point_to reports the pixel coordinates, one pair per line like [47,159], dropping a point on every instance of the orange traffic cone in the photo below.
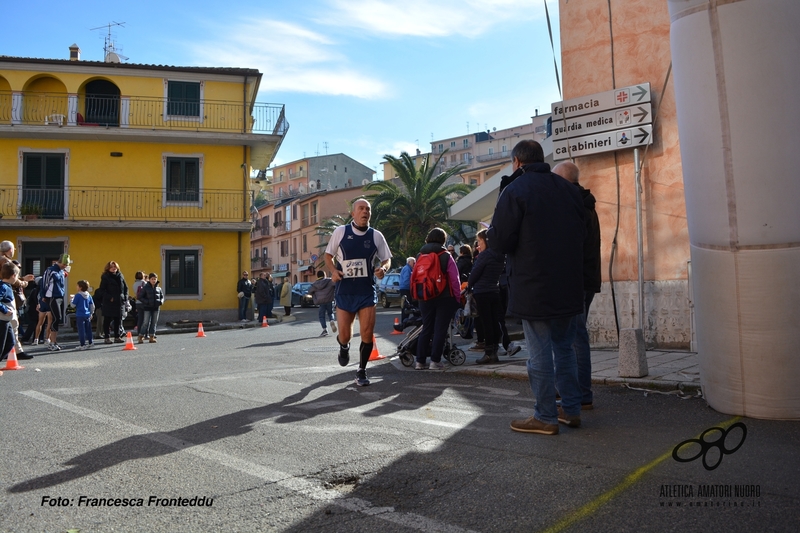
[200,332]
[264,323]
[396,331]
[12,363]
[129,343]
[374,355]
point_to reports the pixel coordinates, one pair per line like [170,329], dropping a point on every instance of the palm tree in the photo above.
[406,213]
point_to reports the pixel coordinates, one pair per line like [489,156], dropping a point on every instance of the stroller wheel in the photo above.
[456,356]
[406,358]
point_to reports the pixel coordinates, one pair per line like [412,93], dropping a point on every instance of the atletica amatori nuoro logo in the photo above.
[683,452]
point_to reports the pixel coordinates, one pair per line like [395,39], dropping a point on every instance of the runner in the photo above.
[356,247]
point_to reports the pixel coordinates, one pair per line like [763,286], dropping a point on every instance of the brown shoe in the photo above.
[587,406]
[153,339]
[119,340]
[568,420]
[108,341]
[531,425]
[141,339]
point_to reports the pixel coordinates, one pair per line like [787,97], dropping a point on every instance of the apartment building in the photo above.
[146,165]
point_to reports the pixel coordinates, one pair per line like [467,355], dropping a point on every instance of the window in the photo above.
[466,143]
[452,144]
[345,170]
[285,248]
[294,211]
[182,181]
[441,148]
[452,158]
[465,158]
[334,168]
[183,98]
[265,252]
[314,213]
[505,148]
[491,150]
[43,176]
[305,244]
[183,272]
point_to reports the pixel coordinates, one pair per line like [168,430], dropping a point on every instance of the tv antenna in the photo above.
[110,51]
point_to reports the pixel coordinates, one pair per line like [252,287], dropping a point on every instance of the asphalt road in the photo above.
[264,429]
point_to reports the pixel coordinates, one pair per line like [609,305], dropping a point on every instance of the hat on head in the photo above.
[64,259]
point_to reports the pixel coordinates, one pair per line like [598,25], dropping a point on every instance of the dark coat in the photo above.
[486,272]
[264,292]
[464,264]
[245,286]
[592,277]
[539,222]
[152,296]
[115,293]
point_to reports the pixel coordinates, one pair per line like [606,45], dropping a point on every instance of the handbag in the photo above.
[470,307]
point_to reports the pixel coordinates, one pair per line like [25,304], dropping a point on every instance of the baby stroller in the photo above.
[407,348]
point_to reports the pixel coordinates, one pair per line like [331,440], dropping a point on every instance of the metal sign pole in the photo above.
[639,236]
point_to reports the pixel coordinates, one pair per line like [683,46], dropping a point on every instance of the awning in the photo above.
[303,268]
[279,274]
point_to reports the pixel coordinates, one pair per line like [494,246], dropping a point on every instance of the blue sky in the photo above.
[367,77]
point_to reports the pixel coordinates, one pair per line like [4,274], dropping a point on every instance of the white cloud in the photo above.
[291,58]
[429,18]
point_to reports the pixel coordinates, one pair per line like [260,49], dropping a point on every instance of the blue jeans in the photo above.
[325,313]
[436,317]
[149,322]
[549,344]
[84,324]
[583,353]
[244,304]
[262,311]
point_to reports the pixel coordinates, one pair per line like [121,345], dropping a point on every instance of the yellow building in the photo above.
[146,165]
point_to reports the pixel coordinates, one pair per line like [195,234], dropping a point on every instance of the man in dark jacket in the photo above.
[539,222]
[592,280]
[244,290]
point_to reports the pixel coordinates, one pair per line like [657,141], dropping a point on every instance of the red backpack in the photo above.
[428,279]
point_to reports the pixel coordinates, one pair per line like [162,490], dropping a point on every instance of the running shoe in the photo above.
[333,326]
[361,378]
[324,333]
[344,355]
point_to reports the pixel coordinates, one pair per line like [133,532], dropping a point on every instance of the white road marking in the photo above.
[298,485]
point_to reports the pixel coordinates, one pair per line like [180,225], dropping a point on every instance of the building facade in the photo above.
[146,165]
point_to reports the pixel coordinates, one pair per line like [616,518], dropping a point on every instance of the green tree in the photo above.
[406,213]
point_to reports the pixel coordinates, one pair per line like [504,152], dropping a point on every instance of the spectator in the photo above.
[286,296]
[263,295]
[84,308]
[483,282]
[592,280]
[115,295]
[322,292]
[140,281]
[244,290]
[405,278]
[439,311]
[9,273]
[152,300]
[539,222]
[52,293]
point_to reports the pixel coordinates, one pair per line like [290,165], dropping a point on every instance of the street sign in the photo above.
[594,103]
[604,121]
[603,142]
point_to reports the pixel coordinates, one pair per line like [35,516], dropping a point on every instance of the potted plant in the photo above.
[30,211]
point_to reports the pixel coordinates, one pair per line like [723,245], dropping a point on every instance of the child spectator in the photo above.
[152,298]
[84,309]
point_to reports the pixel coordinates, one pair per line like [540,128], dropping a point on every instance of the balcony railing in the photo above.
[51,109]
[493,157]
[124,204]
[266,262]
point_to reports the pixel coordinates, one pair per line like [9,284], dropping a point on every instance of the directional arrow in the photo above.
[643,135]
[640,93]
[643,114]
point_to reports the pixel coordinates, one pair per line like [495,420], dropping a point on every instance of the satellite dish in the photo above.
[312,185]
[365,181]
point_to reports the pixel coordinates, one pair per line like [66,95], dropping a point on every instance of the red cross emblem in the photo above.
[622,97]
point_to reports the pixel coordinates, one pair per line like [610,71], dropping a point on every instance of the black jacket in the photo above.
[115,293]
[264,292]
[464,264]
[592,277]
[486,272]
[245,286]
[152,297]
[539,222]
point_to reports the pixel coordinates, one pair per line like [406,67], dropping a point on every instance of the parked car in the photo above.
[300,295]
[389,290]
